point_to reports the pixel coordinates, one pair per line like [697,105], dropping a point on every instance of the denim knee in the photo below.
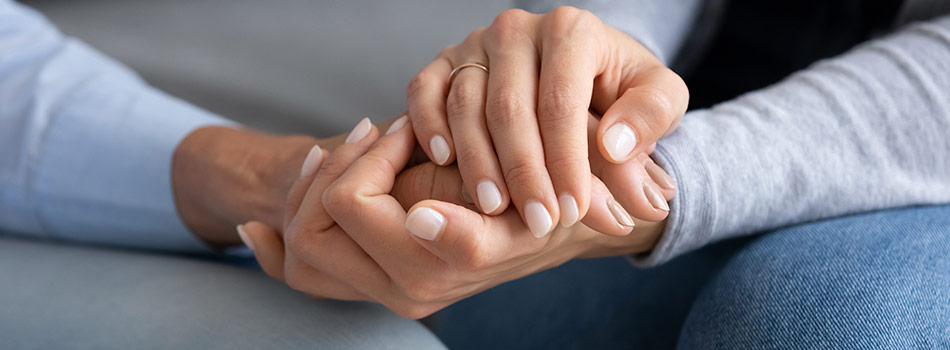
[879,280]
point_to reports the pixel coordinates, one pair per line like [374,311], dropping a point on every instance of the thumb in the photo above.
[645,112]
[465,238]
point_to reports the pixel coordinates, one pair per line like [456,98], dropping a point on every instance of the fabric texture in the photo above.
[86,146]
[57,296]
[873,281]
[860,132]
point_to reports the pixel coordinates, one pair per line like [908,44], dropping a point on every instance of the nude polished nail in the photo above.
[312,162]
[660,176]
[656,199]
[619,213]
[619,140]
[244,238]
[425,223]
[569,210]
[489,198]
[360,131]
[538,218]
[440,149]
[398,124]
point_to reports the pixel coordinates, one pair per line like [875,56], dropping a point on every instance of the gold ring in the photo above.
[466,65]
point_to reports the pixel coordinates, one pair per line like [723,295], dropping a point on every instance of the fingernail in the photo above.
[247,241]
[360,131]
[660,176]
[398,124]
[619,141]
[425,223]
[569,211]
[620,214]
[656,199]
[440,149]
[466,196]
[489,198]
[539,220]
[312,162]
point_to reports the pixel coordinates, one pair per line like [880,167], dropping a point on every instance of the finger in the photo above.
[606,215]
[357,142]
[321,252]
[426,95]
[362,192]
[567,79]
[639,117]
[269,251]
[429,181]
[466,239]
[267,246]
[477,161]
[298,189]
[513,125]
[628,182]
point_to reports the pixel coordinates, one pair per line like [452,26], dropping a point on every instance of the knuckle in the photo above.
[338,198]
[475,36]
[420,82]
[473,159]
[507,27]
[505,105]
[464,98]
[566,160]
[568,22]
[561,101]
[521,171]
[472,256]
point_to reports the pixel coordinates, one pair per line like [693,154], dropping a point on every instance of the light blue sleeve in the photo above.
[85,144]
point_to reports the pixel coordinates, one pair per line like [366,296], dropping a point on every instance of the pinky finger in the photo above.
[267,245]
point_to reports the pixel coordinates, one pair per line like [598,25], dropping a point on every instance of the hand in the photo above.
[518,132]
[347,238]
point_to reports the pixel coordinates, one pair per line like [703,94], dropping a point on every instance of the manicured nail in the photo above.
[466,196]
[489,198]
[312,162]
[539,220]
[619,141]
[398,124]
[656,199]
[440,149]
[247,241]
[660,176]
[360,131]
[620,214]
[425,223]
[569,211]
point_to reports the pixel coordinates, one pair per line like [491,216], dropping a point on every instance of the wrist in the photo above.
[223,177]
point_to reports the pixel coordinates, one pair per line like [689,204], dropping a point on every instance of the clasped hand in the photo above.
[359,226]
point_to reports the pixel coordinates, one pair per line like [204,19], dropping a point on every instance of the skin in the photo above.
[344,236]
[546,72]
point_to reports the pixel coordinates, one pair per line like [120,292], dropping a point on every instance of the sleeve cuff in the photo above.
[104,172]
[692,218]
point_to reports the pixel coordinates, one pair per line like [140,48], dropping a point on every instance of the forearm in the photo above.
[864,131]
[660,26]
[224,176]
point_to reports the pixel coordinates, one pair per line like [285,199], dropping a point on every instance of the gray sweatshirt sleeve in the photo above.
[660,26]
[864,131]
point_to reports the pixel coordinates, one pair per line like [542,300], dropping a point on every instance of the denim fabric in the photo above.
[879,280]
[872,281]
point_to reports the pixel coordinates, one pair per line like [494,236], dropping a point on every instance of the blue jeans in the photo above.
[879,280]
